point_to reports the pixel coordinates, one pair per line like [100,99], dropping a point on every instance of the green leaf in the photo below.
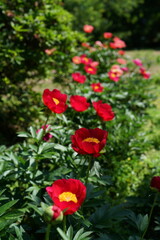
[7,206]
[70,232]
[63,235]
[33,132]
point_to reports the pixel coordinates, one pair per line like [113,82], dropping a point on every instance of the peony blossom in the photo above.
[115,73]
[94,64]
[117,43]
[53,215]
[145,74]
[67,194]
[79,103]
[155,183]
[103,110]
[85,60]
[138,62]
[107,35]
[121,52]
[88,28]
[78,77]
[99,43]
[50,51]
[91,70]
[55,100]
[47,136]
[97,87]
[76,60]
[86,45]
[121,61]
[89,141]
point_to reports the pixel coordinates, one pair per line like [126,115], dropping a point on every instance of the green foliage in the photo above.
[27,30]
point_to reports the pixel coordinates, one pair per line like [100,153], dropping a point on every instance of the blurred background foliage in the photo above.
[134,21]
[30,28]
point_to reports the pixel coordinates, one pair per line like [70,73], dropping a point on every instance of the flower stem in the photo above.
[64,224]
[88,170]
[48,232]
[150,214]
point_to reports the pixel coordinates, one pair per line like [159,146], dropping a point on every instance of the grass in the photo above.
[151,59]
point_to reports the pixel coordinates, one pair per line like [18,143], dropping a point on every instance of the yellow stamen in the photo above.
[67,197]
[90,139]
[56,101]
[96,87]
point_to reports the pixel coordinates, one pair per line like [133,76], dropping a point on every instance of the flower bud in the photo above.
[53,214]
[155,183]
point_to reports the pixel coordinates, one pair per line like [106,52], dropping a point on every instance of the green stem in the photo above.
[88,170]
[48,232]
[64,224]
[149,219]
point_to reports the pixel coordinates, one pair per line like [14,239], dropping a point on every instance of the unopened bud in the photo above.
[53,214]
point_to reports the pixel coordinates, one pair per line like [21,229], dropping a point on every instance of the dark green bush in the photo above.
[27,30]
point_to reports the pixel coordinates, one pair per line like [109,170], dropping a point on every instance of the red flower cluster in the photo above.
[138,62]
[145,74]
[91,70]
[50,51]
[67,194]
[103,110]
[88,28]
[155,183]
[121,61]
[79,103]
[55,100]
[47,136]
[107,35]
[117,43]
[78,77]
[76,60]
[97,87]
[115,73]
[89,141]
[121,52]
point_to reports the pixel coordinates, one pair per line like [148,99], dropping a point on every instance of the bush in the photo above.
[35,40]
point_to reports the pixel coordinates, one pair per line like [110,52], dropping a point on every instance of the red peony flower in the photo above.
[86,45]
[103,110]
[155,183]
[121,61]
[85,60]
[79,103]
[94,64]
[97,87]
[121,52]
[67,194]
[138,62]
[76,60]
[88,28]
[50,51]
[89,141]
[99,43]
[47,136]
[55,100]
[145,74]
[91,70]
[107,35]
[78,77]
[115,73]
